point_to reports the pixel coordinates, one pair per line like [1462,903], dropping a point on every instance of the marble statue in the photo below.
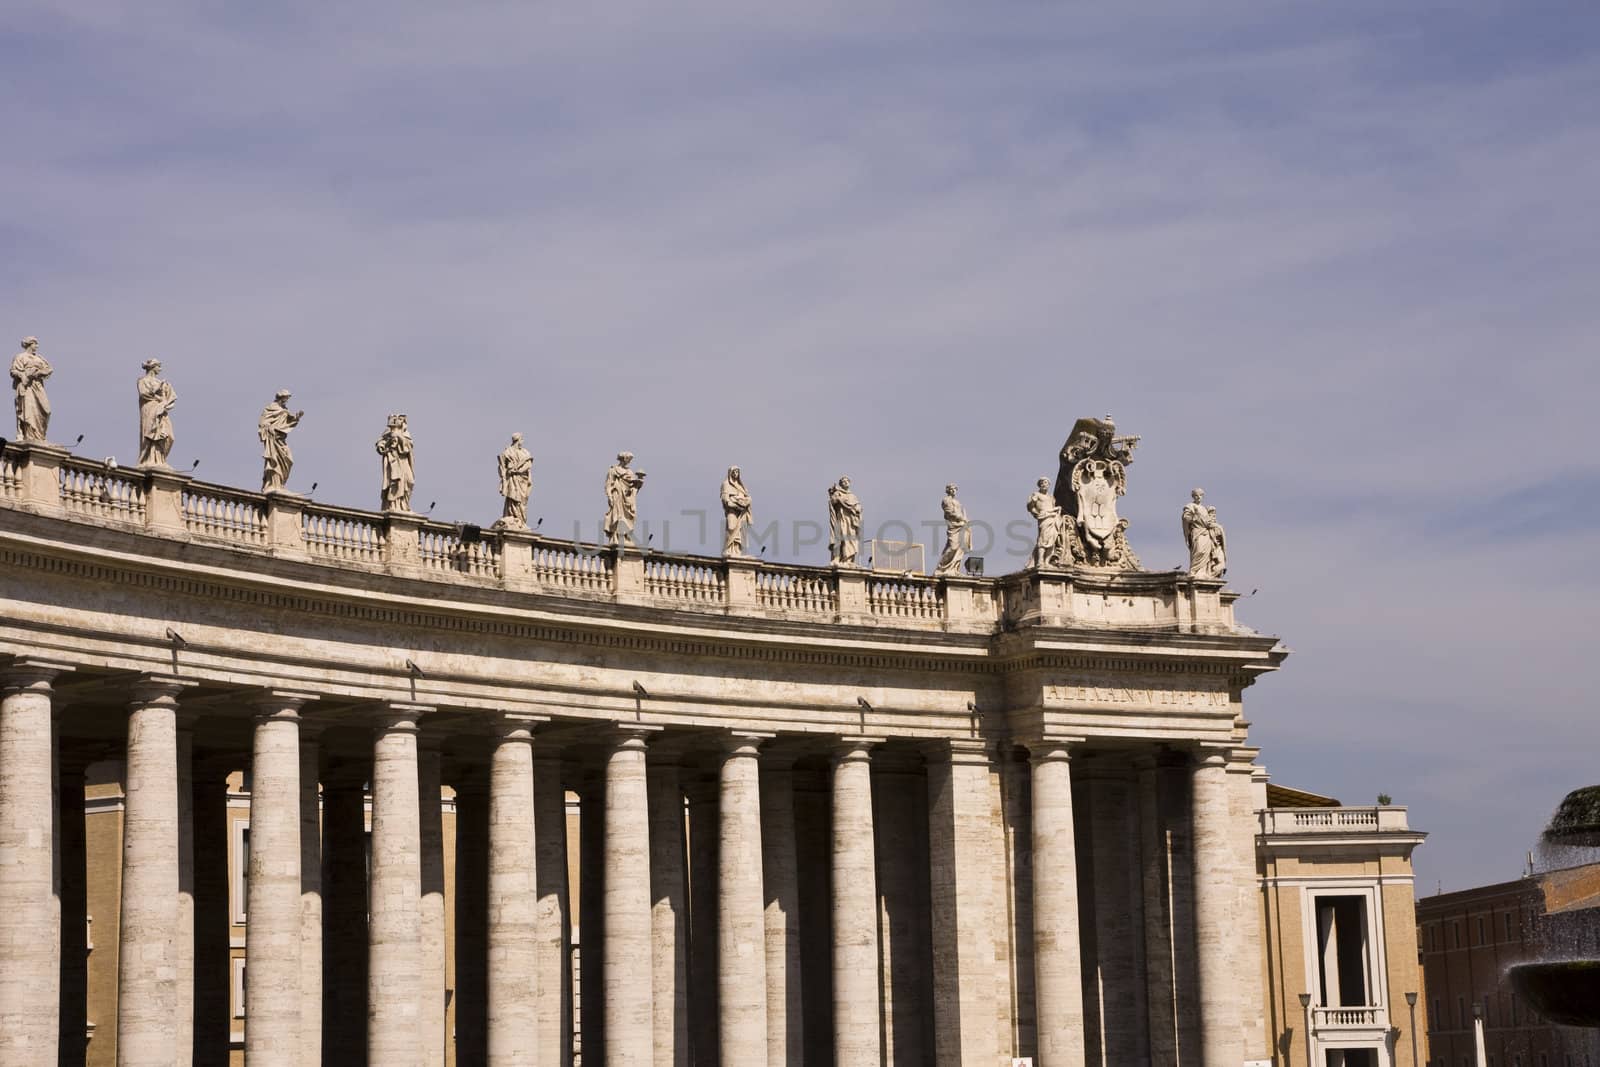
[28,371]
[1043,507]
[1092,477]
[156,398]
[957,533]
[1205,538]
[276,422]
[399,478]
[844,524]
[735,513]
[622,500]
[516,482]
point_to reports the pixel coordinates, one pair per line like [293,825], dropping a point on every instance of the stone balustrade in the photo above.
[48,479]
[1375,819]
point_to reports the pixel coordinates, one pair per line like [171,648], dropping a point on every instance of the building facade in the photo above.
[822,816]
[1469,938]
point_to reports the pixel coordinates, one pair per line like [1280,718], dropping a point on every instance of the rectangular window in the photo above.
[1483,938]
[1438,1017]
[1461,1012]
[1513,1009]
[1508,926]
[1455,929]
[1343,950]
[241,869]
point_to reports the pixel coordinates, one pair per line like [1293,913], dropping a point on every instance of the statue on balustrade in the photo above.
[516,482]
[276,422]
[957,533]
[736,513]
[1203,534]
[399,479]
[1092,476]
[622,500]
[156,399]
[844,524]
[28,372]
[1053,547]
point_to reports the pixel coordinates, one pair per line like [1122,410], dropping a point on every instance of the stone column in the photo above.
[74,911]
[905,929]
[213,970]
[1172,777]
[1118,914]
[961,835]
[781,878]
[513,955]
[1248,938]
[183,943]
[435,976]
[394,938]
[702,798]
[146,963]
[272,900]
[741,925]
[310,901]
[628,1005]
[472,891]
[856,1038]
[1156,885]
[1058,979]
[553,913]
[1215,896]
[29,938]
[669,915]
[344,914]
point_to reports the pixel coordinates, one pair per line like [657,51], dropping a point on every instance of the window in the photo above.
[1344,955]
[1487,1021]
[241,869]
[1483,938]
[1438,1016]
[1508,926]
[1455,929]
[1514,1009]
[1461,1012]
[238,988]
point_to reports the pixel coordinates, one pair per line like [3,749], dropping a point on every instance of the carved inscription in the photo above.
[1150,697]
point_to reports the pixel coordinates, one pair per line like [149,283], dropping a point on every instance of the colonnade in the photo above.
[767,901]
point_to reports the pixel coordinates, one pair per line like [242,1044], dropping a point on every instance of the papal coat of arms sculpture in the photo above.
[1078,523]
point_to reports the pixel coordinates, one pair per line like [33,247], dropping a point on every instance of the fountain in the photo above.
[1564,985]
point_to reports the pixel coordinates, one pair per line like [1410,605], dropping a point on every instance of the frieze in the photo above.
[1141,696]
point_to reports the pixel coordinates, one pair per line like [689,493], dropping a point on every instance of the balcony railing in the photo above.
[1279,821]
[1366,1018]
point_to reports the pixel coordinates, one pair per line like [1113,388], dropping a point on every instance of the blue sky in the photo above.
[1335,262]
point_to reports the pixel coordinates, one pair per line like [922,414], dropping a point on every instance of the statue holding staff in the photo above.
[156,399]
[735,513]
[273,429]
[395,447]
[957,533]
[1043,507]
[844,524]
[516,482]
[28,373]
[622,500]
[1203,534]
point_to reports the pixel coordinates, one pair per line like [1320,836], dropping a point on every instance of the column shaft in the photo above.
[146,961]
[1058,981]
[513,1016]
[1248,940]
[961,848]
[430,827]
[183,945]
[394,940]
[856,1036]
[741,924]
[553,914]
[1214,905]
[781,879]
[272,901]
[1118,914]
[1155,883]
[669,926]
[29,938]
[344,918]
[310,904]
[74,914]
[1173,780]
[472,891]
[628,1006]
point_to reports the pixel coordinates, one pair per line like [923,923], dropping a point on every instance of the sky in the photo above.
[1336,263]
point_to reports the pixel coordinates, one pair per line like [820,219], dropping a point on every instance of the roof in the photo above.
[1281,796]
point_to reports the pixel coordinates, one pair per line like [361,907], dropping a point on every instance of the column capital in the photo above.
[399,717]
[1211,756]
[743,744]
[632,736]
[1052,749]
[278,703]
[963,750]
[853,749]
[158,689]
[31,672]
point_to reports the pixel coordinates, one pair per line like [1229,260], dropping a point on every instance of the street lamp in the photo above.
[1411,1002]
[1305,1006]
[1477,1035]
